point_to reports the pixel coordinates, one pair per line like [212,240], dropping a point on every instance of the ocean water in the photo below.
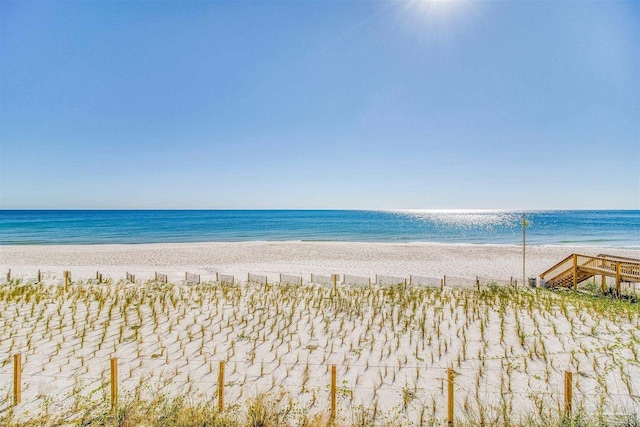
[599,228]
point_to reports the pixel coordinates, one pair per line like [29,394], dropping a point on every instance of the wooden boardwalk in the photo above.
[577,268]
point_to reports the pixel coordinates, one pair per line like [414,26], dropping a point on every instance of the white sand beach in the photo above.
[297,258]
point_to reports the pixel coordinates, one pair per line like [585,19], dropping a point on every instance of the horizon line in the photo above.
[415,210]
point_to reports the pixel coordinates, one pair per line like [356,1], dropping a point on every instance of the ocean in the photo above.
[619,229]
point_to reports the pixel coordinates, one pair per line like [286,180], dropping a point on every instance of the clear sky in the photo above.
[320,104]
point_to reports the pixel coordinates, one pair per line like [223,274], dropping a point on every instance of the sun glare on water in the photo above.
[463,218]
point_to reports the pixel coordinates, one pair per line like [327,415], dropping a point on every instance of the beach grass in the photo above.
[263,411]
[391,345]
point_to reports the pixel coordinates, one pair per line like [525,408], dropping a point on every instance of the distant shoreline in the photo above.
[585,246]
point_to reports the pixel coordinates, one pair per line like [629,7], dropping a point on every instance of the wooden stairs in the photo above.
[577,268]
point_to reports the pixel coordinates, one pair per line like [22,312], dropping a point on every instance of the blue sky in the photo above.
[310,104]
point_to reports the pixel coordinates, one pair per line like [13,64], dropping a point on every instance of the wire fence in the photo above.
[455,392]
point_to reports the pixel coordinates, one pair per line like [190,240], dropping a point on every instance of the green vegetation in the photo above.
[262,411]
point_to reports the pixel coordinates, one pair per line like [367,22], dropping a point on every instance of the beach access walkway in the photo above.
[577,268]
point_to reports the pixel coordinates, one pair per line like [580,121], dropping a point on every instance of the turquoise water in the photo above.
[598,228]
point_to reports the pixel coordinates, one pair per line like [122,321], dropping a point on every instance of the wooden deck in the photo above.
[577,268]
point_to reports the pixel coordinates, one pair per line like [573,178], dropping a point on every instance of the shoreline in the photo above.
[588,245]
[270,258]
[340,242]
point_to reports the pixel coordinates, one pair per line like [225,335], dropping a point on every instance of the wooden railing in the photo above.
[561,267]
[627,269]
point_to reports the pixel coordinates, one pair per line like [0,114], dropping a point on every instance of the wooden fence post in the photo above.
[333,392]
[17,378]
[618,279]
[450,377]
[568,392]
[478,283]
[603,284]
[335,281]
[114,383]
[39,276]
[221,387]
[575,271]
[9,275]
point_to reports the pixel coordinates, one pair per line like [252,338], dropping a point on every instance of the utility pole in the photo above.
[524,246]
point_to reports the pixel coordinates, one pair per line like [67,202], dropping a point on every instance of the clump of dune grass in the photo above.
[264,410]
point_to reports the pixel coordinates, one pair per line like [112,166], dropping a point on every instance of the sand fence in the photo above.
[286,278]
[291,279]
[447,384]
